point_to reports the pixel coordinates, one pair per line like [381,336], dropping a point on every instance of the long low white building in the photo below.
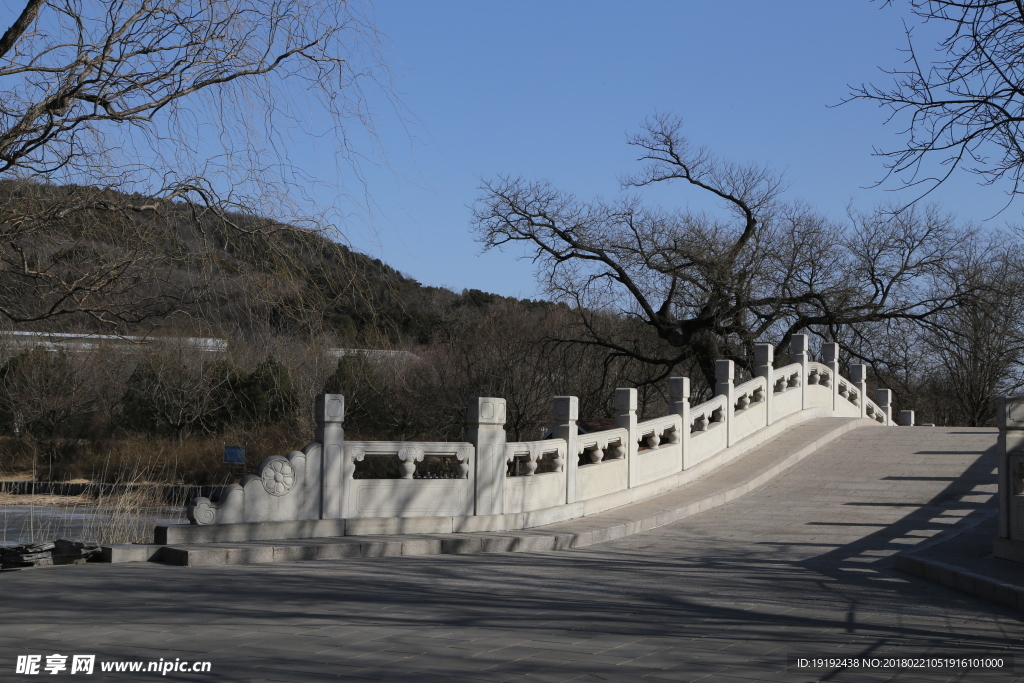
[77,341]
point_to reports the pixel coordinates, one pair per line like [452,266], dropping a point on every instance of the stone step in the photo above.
[353,547]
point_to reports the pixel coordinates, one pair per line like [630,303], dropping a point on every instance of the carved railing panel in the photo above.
[659,431]
[410,453]
[786,378]
[531,452]
[708,414]
[596,447]
[283,488]
[750,392]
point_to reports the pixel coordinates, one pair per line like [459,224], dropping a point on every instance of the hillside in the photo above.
[176,264]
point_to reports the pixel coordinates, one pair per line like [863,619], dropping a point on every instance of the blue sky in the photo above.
[550,90]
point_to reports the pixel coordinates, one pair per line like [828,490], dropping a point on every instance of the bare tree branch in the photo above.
[965,109]
[710,286]
[179,111]
[20,25]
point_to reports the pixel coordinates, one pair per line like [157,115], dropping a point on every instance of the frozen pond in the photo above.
[32,523]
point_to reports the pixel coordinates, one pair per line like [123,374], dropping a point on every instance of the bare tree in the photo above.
[963,109]
[952,370]
[187,109]
[710,285]
[44,396]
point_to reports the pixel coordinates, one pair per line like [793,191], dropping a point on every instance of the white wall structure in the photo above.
[491,484]
[1009,541]
[71,341]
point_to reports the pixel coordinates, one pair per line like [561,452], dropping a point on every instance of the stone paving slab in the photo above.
[712,490]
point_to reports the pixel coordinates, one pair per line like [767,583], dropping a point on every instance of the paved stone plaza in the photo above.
[802,566]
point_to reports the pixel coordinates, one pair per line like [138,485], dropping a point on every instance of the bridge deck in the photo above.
[729,482]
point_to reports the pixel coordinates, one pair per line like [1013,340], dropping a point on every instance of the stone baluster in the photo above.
[625,418]
[906,418]
[565,411]
[485,429]
[764,354]
[335,474]
[725,372]
[859,378]
[679,404]
[408,456]
[830,357]
[883,397]
[798,345]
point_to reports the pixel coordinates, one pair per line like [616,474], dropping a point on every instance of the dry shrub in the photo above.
[196,461]
[125,515]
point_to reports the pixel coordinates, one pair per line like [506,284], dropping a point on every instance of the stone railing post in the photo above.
[335,473]
[1010,420]
[679,404]
[859,377]
[906,418]
[625,418]
[566,410]
[830,357]
[764,354]
[725,372]
[883,397]
[485,429]
[798,354]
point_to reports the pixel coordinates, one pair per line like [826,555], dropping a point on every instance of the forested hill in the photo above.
[160,265]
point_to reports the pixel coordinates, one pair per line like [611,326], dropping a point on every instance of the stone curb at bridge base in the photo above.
[963,561]
[627,521]
[985,587]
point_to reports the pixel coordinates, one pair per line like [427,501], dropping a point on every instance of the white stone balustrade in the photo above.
[625,418]
[409,497]
[859,377]
[536,491]
[679,405]
[798,355]
[764,356]
[565,412]
[661,448]
[485,429]
[787,394]
[605,469]
[534,450]
[587,473]
[750,409]
[819,391]
[883,397]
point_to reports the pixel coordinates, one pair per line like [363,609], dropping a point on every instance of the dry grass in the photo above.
[126,512]
[123,515]
[45,500]
[196,461]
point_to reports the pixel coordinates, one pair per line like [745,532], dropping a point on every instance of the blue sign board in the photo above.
[234,454]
